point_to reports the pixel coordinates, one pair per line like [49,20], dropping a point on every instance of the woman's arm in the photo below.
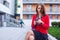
[46,23]
[33,23]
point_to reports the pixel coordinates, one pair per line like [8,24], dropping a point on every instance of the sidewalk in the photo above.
[15,33]
[51,37]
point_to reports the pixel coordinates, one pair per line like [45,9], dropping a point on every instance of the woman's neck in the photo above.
[39,15]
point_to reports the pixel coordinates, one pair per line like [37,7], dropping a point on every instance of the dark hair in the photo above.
[42,9]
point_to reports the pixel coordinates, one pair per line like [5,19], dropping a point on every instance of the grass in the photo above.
[54,31]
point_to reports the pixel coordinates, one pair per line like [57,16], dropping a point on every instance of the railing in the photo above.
[33,12]
[31,0]
[29,12]
[12,22]
[39,1]
[1,24]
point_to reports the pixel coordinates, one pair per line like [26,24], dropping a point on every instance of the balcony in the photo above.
[55,12]
[33,12]
[41,1]
[5,9]
[29,12]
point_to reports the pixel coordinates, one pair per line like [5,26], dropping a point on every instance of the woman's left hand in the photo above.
[40,21]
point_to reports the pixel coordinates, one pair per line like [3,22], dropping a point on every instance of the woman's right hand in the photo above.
[34,22]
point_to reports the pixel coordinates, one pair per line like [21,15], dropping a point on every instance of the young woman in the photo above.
[40,25]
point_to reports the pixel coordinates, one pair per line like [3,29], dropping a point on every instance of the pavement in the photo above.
[16,33]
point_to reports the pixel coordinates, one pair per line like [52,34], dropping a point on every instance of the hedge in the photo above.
[55,24]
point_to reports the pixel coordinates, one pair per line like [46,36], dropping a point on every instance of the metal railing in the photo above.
[33,12]
[40,1]
[12,22]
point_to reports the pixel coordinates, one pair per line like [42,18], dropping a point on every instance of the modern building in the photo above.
[29,8]
[18,9]
[6,10]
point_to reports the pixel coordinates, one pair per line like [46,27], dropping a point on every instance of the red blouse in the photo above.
[41,28]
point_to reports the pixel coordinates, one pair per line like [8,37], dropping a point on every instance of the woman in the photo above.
[40,25]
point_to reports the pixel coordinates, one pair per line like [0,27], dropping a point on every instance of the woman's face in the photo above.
[39,8]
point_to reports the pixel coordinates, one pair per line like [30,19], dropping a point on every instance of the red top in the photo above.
[43,28]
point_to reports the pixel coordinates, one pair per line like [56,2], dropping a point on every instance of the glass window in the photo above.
[27,0]
[56,16]
[1,1]
[18,10]
[0,17]
[6,3]
[50,7]
[56,8]
[29,16]
[43,0]
[29,7]
[0,20]
[18,2]
[50,15]
[18,6]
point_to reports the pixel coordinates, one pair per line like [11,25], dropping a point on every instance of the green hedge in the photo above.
[55,24]
[55,31]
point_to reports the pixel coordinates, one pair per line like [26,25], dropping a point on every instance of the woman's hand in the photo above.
[39,22]
[34,22]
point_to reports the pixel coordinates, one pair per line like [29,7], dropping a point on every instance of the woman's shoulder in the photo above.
[34,15]
[47,16]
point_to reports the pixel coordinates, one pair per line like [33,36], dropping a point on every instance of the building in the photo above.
[52,9]
[18,9]
[6,10]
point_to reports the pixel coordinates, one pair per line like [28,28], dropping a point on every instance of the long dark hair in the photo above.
[42,9]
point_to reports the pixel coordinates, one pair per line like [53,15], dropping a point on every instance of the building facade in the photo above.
[6,10]
[19,9]
[52,8]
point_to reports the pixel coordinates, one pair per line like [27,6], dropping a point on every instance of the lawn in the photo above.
[54,31]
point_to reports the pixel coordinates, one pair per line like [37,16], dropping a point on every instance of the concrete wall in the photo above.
[8,10]
[4,9]
[11,6]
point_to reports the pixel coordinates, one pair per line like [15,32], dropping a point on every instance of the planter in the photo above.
[58,38]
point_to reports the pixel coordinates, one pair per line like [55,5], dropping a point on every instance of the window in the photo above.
[29,7]
[0,20]
[18,6]
[50,16]
[29,16]
[6,3]
[50,7]
[0,17]
[43,0]
[18,2]
[56,8]
[1,1]
[27,0]
[59,16]
[56,16]
[18,10]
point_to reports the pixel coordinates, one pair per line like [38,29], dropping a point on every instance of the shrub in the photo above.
[55,24]
[55,31]
[58,24]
